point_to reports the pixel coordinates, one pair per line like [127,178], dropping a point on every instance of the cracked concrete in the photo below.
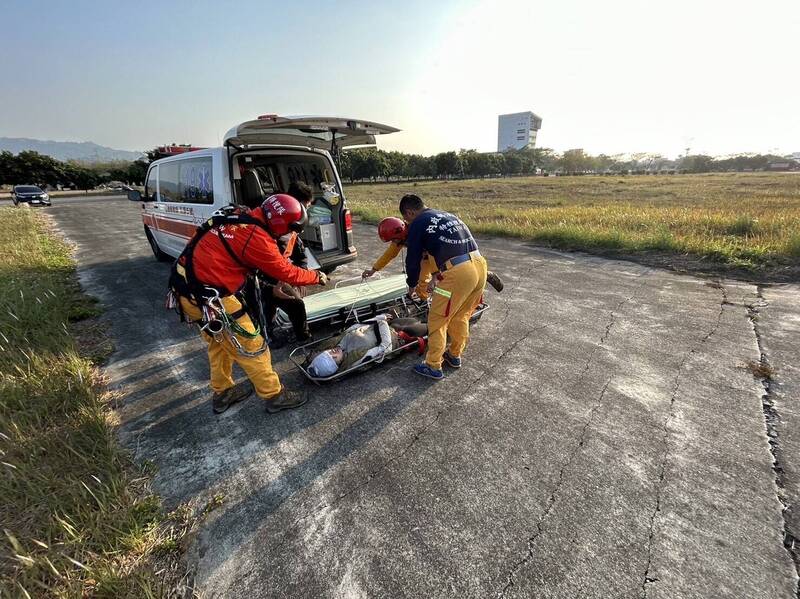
[648,577]
[603,439]
[779,408]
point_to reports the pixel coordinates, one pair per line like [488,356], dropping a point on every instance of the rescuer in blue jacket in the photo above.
[459,283]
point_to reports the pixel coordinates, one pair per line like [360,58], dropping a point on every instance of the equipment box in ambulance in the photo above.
[258,158]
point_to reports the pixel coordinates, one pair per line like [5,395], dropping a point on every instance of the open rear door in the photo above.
[324,133]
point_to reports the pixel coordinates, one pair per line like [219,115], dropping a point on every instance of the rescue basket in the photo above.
[302,355]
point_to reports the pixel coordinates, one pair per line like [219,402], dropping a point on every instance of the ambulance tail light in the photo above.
[348,220]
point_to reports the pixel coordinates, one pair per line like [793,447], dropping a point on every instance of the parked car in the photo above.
[258,158]
[29,194]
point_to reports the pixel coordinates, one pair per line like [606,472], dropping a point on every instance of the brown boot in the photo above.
[286,400]
[222,401]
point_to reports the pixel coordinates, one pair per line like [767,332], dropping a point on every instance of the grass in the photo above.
[750,221]
[77,517]
[760,370]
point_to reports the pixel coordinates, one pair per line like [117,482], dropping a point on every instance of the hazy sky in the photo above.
[614,76]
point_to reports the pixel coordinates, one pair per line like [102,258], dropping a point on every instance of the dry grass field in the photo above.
[77,517]
[747,222]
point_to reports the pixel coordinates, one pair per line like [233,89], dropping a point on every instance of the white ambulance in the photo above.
[258,158]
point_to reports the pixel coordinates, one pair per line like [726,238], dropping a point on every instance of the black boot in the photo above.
[222,401]
[286,400]
[278,338]
[495,281]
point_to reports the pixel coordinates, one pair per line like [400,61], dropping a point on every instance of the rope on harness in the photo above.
[230,328]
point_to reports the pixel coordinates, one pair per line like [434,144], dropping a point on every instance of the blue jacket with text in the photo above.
[440,234]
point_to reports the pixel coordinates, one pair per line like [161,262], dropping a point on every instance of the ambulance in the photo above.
[258,158]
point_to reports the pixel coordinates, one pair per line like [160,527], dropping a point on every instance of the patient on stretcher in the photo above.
[364,342]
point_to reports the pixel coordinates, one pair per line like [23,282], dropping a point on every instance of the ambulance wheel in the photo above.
[159,255]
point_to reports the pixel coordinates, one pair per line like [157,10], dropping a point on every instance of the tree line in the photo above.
[372,164]
[38,169]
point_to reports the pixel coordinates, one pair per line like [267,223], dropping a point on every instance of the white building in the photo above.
[517,130]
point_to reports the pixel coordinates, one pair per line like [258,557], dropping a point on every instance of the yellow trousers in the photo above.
[455,298]
[222,354]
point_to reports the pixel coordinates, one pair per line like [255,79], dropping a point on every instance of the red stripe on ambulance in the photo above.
[175,227]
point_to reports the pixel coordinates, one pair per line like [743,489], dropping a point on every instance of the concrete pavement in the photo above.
[604,438]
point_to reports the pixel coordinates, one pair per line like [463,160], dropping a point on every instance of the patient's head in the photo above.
[327,362]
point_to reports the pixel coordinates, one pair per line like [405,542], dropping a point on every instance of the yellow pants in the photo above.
[222,354]
[455,298]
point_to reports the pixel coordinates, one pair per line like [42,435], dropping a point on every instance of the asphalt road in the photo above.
[603,439]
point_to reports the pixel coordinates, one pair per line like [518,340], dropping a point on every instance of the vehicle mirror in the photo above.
[134,195]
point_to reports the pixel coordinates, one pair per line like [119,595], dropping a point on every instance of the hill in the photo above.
[85,151]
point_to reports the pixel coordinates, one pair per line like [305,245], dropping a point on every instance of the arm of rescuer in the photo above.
[390,254]
[382,262]
[414,251]
[261,252]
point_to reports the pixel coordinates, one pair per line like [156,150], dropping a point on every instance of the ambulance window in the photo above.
[150,188]
[168,182]
[195,183]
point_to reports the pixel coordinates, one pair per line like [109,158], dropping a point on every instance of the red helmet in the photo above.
[283,213]
[392,229]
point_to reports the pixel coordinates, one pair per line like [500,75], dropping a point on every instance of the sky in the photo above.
[619,76]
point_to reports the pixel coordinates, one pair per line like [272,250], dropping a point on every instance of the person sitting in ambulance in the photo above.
[364,342]
[282,295]
[276,294]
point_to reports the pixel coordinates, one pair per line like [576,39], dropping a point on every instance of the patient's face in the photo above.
[337,354]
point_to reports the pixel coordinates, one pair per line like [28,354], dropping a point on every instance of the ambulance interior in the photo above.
[263,173]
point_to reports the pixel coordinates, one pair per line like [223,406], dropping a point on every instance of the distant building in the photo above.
[517,131]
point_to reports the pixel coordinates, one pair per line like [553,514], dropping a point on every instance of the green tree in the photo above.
[447,164]
[39,169]
[513,162]
[542,158]
[575,161]
[697,163]
[396,164]
[9,169]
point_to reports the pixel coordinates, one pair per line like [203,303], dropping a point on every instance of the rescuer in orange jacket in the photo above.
[218,260]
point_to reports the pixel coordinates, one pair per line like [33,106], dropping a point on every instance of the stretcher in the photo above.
[401,307]
[348,303]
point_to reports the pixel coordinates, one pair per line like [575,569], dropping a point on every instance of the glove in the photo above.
[368,273]
[323,278]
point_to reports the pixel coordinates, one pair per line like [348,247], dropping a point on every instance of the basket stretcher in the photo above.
[367,300]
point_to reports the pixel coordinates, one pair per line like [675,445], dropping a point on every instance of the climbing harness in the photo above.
[217,322]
